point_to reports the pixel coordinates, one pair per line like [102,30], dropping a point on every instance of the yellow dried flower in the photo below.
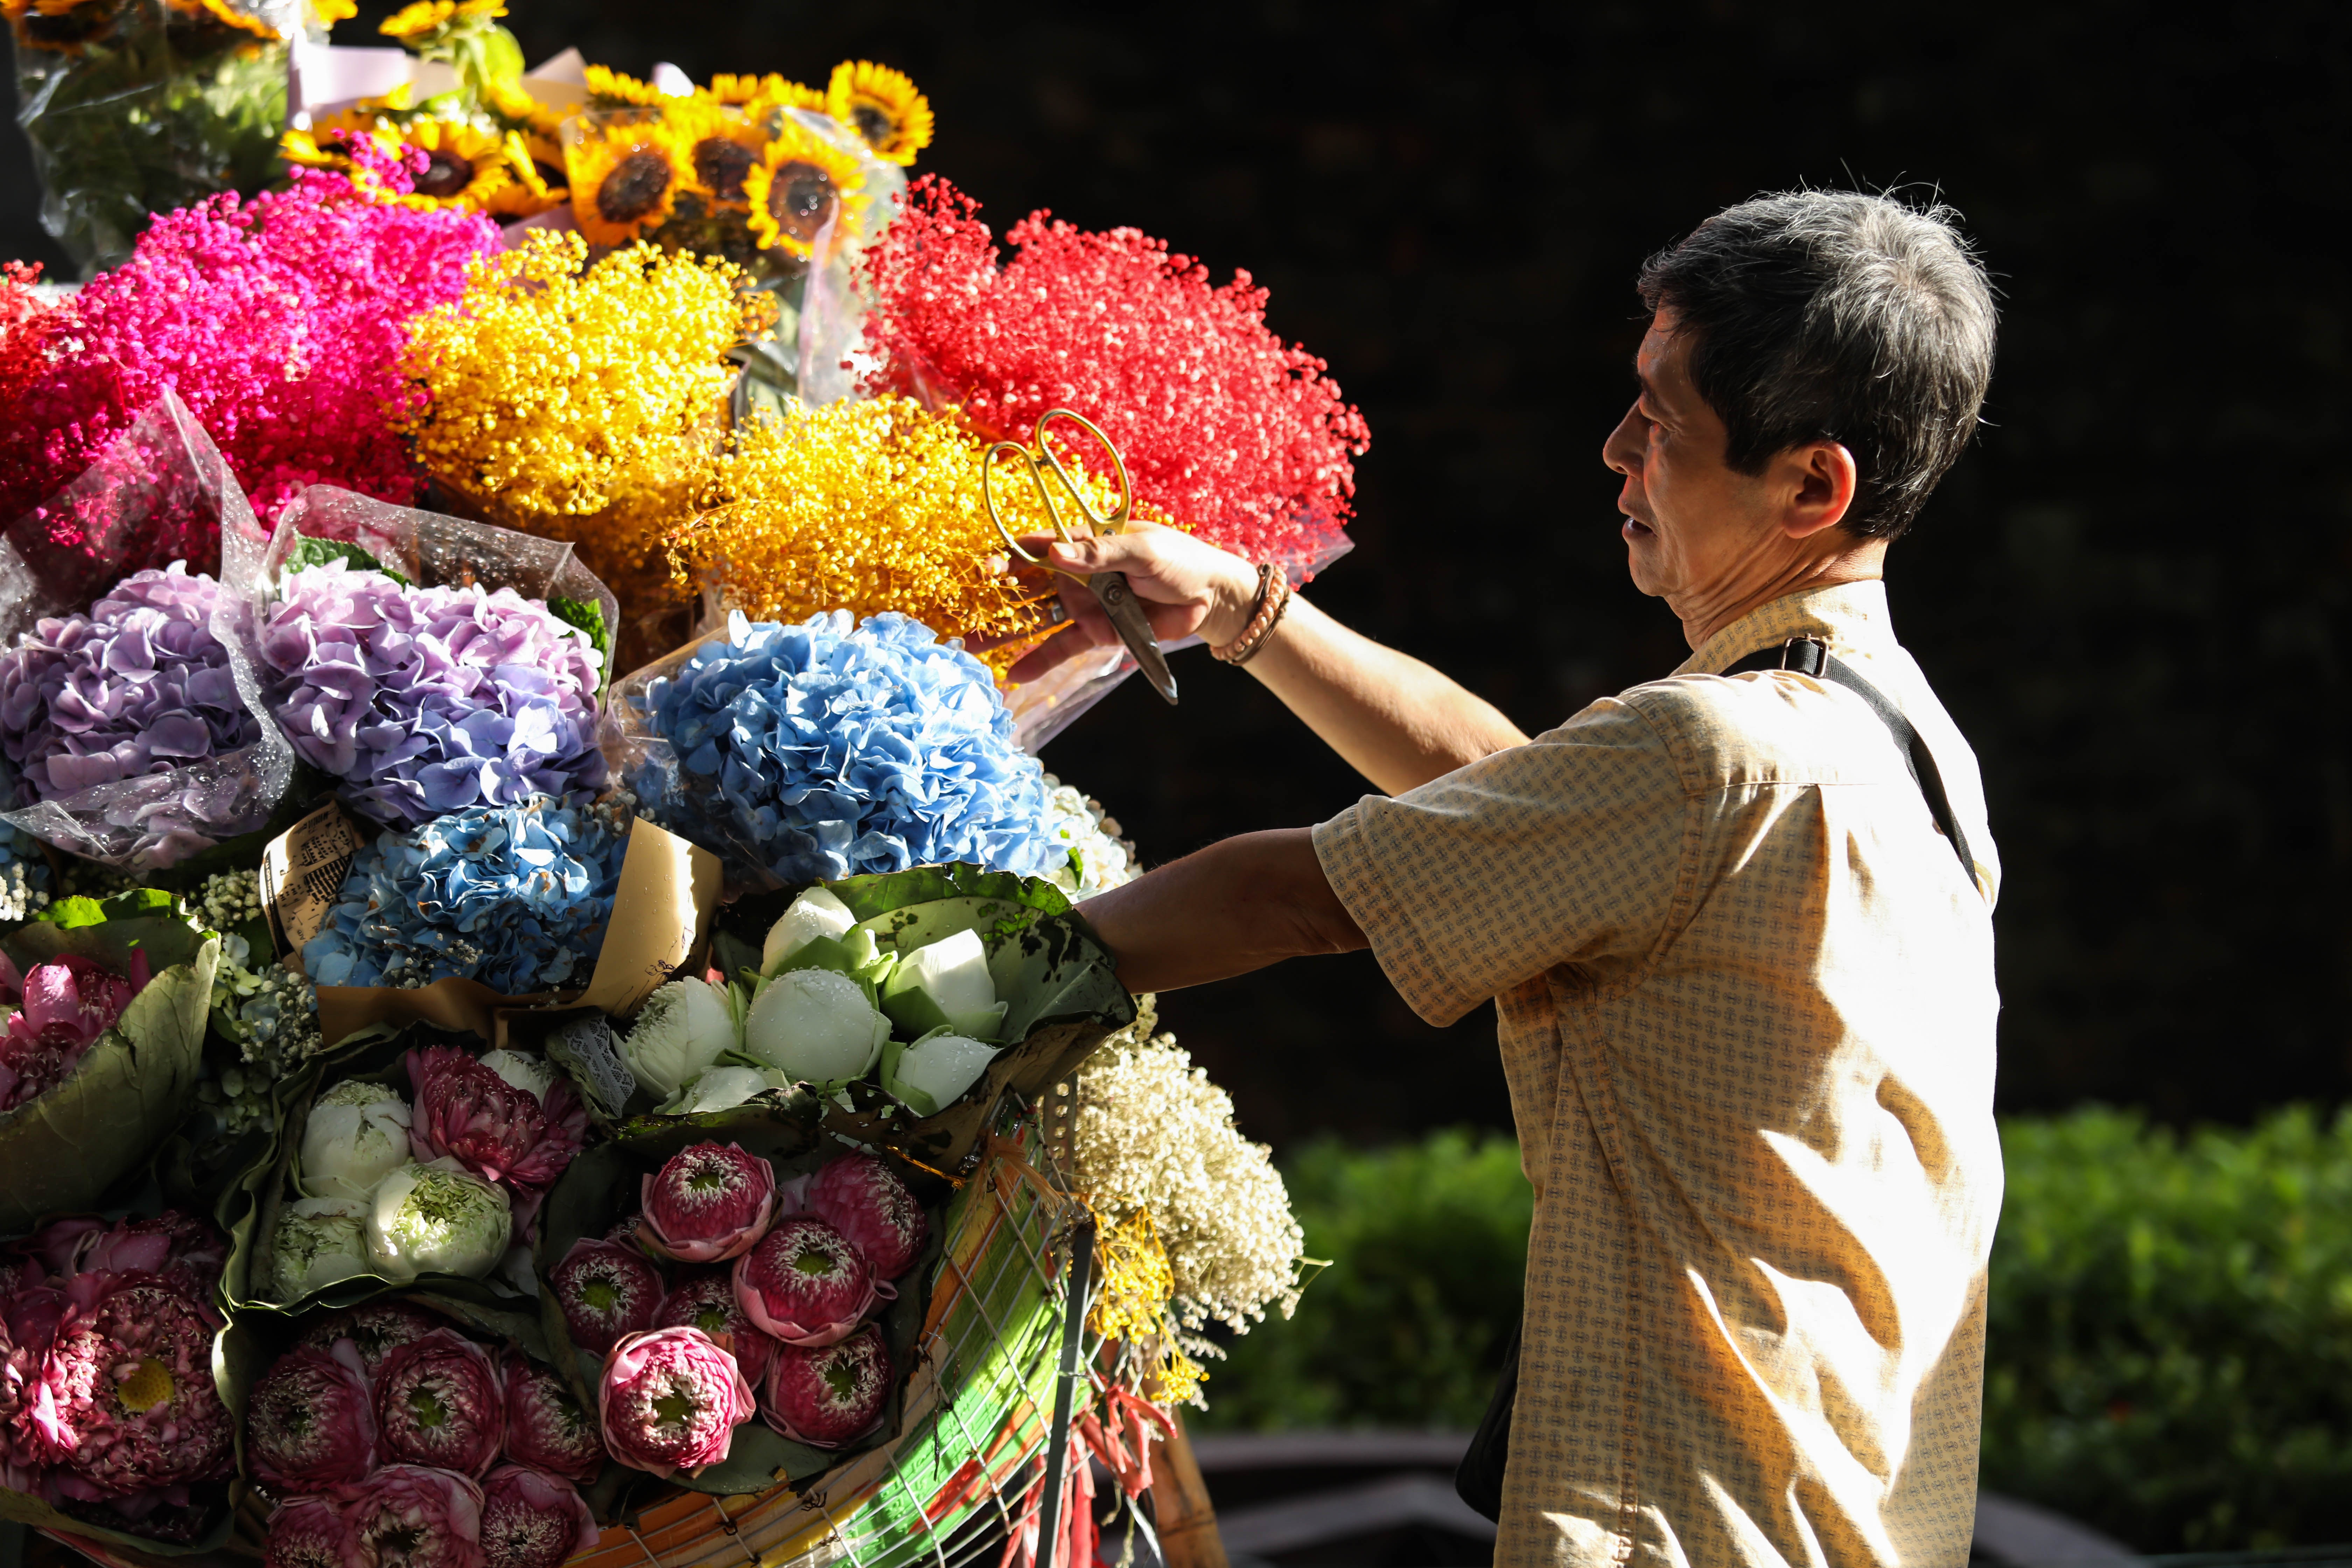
[1131,1306]
[581,403]
[862,506]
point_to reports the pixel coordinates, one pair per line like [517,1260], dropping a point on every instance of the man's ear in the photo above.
[1819,478]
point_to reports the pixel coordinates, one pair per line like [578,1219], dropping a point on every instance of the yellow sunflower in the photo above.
[720,145]
[61,25]
[625,179]
[225,13]
[612,90]
[799,182]
[415,20]
[512,103]
[743,91]
[881,105]
[464,167]
[526,192]
[326,13]
[322,145]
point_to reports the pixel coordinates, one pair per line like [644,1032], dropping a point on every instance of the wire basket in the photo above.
[979,1403]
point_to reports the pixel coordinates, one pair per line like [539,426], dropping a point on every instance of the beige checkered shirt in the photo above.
[1747,1013]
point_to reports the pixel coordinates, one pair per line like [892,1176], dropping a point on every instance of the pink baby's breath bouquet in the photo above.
[278,322]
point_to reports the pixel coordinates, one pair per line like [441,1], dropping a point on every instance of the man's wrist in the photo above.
[1233,599]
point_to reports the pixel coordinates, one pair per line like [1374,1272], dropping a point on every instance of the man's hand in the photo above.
[1185,584]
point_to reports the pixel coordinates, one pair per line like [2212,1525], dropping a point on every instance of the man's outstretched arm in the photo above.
[1231,908]
[1395,719]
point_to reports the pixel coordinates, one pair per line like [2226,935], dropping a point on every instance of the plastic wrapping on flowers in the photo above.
[135,107]
[132,732]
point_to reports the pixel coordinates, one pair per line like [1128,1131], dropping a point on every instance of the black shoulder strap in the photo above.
[1810,655]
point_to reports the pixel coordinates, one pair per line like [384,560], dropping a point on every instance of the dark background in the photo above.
[2132,594]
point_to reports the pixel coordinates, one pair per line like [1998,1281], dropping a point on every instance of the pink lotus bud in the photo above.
[311,1423]
[532,1520]
[805,1283]
[706,1300]
[411,1516]
[314,1532]
[376,1330]
[499,1133]
[864,1199]
[826,1396]
[546,1428]
[606,1290]
[670,1401]
[68,1004]
[439,1401]
[710,1202]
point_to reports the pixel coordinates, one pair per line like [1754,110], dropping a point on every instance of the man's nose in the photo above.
[1620,451]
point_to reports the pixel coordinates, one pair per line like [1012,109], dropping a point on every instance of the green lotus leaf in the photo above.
[65,1148]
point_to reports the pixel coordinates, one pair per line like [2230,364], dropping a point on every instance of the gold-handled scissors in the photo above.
[1118,599]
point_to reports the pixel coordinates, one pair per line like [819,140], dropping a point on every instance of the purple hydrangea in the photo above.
[137,686]
[425,700]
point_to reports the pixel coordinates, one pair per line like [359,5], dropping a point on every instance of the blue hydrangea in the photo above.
[825,750]
[513,895]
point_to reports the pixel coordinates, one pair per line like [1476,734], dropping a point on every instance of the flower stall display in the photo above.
[105,1008]
[130,731]
[396,1432]
[544,1187]
[110,1419]
[140,106]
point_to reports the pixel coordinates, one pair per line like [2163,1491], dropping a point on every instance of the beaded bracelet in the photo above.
[1273,599]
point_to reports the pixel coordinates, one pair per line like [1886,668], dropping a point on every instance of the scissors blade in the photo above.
[1119,602]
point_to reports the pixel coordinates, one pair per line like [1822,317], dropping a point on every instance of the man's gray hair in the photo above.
[1836,316]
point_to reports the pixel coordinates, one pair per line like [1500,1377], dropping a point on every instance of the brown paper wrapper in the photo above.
[660,927]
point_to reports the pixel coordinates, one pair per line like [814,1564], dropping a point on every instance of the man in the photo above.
[1744,973]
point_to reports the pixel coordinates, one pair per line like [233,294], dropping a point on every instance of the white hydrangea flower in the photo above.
[1100,859]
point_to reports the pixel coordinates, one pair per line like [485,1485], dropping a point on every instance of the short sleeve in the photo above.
[1564,850]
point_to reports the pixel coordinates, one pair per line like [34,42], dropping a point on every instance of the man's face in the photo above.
[1691,524]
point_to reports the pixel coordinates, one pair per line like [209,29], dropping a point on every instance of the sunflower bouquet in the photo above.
[135,107]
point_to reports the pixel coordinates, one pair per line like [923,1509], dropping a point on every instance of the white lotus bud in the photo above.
[534,1074]
[440,1218]
[933,1073]
[813,914]
[318,1242]
[682,1029]
[817,1027]
[357,1132]
[953,972]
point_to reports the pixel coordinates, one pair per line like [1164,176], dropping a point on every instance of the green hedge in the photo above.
[2170,1351]
[1429,1243]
